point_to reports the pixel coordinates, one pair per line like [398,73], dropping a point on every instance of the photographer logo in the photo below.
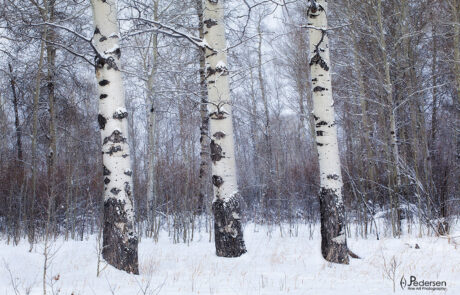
[416,285]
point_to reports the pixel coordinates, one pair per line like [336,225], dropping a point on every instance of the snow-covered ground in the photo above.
[273,265]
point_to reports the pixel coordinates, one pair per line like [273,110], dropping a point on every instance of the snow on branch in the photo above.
[73,32]
[63,28]
[170,31]
[322,29]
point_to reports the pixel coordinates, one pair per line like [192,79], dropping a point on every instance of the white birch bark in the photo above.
[227,200]
[333,245]
[119,238]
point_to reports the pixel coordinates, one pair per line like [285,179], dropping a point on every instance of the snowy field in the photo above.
[273,265]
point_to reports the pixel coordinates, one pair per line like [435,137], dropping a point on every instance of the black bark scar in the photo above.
[102,121]
[317,59]
[216,152]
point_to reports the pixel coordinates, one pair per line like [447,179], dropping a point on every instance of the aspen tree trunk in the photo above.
[227,199]
[51,59]
[394,194]
[415,148]
[151,186]
[119,239]
[68,187]
[31,201]
[253,126]
[48,15]
[333,237]
[205,169]
[254,141]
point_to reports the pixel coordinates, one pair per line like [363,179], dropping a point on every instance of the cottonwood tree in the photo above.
[227,199]
[119,239]
[333,238]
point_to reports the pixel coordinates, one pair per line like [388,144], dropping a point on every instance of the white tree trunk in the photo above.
[119,239]
[227,200]
[333,244]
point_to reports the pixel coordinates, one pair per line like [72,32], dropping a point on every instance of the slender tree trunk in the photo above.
[51,60]
[415,148]
[69,188]
[394,193]
[333,237]
[227,199]
[151,186]
[31,201]
[119,239]
[205,169]
[254,141]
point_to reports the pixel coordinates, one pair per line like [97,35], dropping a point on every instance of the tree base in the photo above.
[333,239]
[227,228]
[119,242]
